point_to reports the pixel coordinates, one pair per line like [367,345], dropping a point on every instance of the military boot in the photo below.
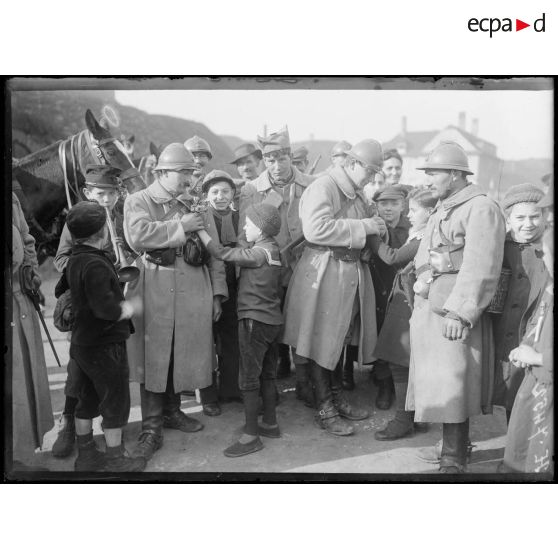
[89,457]
[351,354]
[402,424]
[118,461]
[340,403]
[454,447]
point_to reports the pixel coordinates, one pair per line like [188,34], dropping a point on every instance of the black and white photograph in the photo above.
[279,279]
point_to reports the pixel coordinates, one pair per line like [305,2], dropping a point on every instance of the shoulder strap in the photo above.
[176,208]
[269,257]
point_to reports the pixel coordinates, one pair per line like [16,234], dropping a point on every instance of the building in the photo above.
[415,146]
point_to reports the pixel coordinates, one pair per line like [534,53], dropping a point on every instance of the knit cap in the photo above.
[266,217]
[522,193]
[85,219]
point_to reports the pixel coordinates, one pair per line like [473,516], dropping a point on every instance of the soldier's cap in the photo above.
[276,141]
[102,176]
[85,219]
[394,192]
[195,144]
[521,193]
[217,176]
[547,200]
[299,154]
[245,150]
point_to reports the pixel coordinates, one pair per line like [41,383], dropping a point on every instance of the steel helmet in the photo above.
[196,145]
[217,176]
[340,148]
[175,157]
[448,155]
[369,152]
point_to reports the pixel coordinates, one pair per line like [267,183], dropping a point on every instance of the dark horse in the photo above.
[49,180]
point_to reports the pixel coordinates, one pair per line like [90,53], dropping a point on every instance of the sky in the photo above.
[519,123]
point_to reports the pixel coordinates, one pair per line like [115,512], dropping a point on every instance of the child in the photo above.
[219,188]
[393,341]
[530,440]
[260,321]
[527,280]
[101,186]
[98,348]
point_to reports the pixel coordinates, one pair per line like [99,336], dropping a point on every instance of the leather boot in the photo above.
[151,437]
[402,424]
[89,457]
[328,416]
[284,361]
[454,447]
[174,418]
[304,389]
[384,399]
[66,439]
[340,403]
[351,354]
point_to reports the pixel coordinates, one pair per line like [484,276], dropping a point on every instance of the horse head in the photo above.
[111,152]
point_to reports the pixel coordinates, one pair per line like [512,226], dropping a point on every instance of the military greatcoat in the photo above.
[450,381]
[178,299]
[325,292]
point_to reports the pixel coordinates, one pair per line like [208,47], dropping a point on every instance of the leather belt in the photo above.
[338,252]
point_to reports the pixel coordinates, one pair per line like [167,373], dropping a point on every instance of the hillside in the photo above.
[525,170]
[40,118]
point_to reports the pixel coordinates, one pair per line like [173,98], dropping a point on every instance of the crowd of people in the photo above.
[445,291]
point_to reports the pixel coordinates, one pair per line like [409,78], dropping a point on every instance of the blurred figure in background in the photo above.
[300,158]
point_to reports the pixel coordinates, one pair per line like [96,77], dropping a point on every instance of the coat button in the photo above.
[172,290]
[23,316]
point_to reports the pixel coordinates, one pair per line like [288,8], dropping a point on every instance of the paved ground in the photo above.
[303,448]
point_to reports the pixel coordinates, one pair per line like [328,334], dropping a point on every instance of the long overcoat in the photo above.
[324,291]
[177,299]
[527,281]
[32,409]
[450,381]
[286,199]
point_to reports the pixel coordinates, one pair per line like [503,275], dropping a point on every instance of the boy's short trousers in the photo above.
[258,352]
[102,374]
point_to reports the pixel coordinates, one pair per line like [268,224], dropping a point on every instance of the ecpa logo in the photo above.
[494,24]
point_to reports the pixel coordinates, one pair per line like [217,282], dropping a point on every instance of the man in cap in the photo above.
[390,202]
[201,152]
[300,158]
[247,159]
[330,301]
[182,290]
[280,185]
[458,265]
[102,185]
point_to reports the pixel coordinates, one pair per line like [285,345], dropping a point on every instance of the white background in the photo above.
[270,38]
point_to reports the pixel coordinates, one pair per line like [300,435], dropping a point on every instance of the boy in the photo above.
[528,277]
[98,348]
[260,321]
[101,186]
[530,440]
[219,188]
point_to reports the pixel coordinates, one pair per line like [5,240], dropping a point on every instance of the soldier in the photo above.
[280,185]
[330,301]
[300,158]
[339,153]
[247,158]
[201,152]
[182,290]
[458,265]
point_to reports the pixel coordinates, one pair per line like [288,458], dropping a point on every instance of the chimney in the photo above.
[461,120]
[403,125]
[475,127]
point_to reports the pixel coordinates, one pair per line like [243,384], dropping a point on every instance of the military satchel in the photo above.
[195,253]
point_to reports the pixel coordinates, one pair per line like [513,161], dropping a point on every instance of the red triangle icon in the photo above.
[519,25]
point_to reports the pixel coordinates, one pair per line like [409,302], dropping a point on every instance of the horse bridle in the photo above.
[94,147]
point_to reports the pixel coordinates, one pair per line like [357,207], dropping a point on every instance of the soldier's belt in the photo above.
[339,253]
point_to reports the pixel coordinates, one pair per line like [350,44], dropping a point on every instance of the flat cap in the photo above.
[85,219]
[521,193]
[394,192]
[102,176]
